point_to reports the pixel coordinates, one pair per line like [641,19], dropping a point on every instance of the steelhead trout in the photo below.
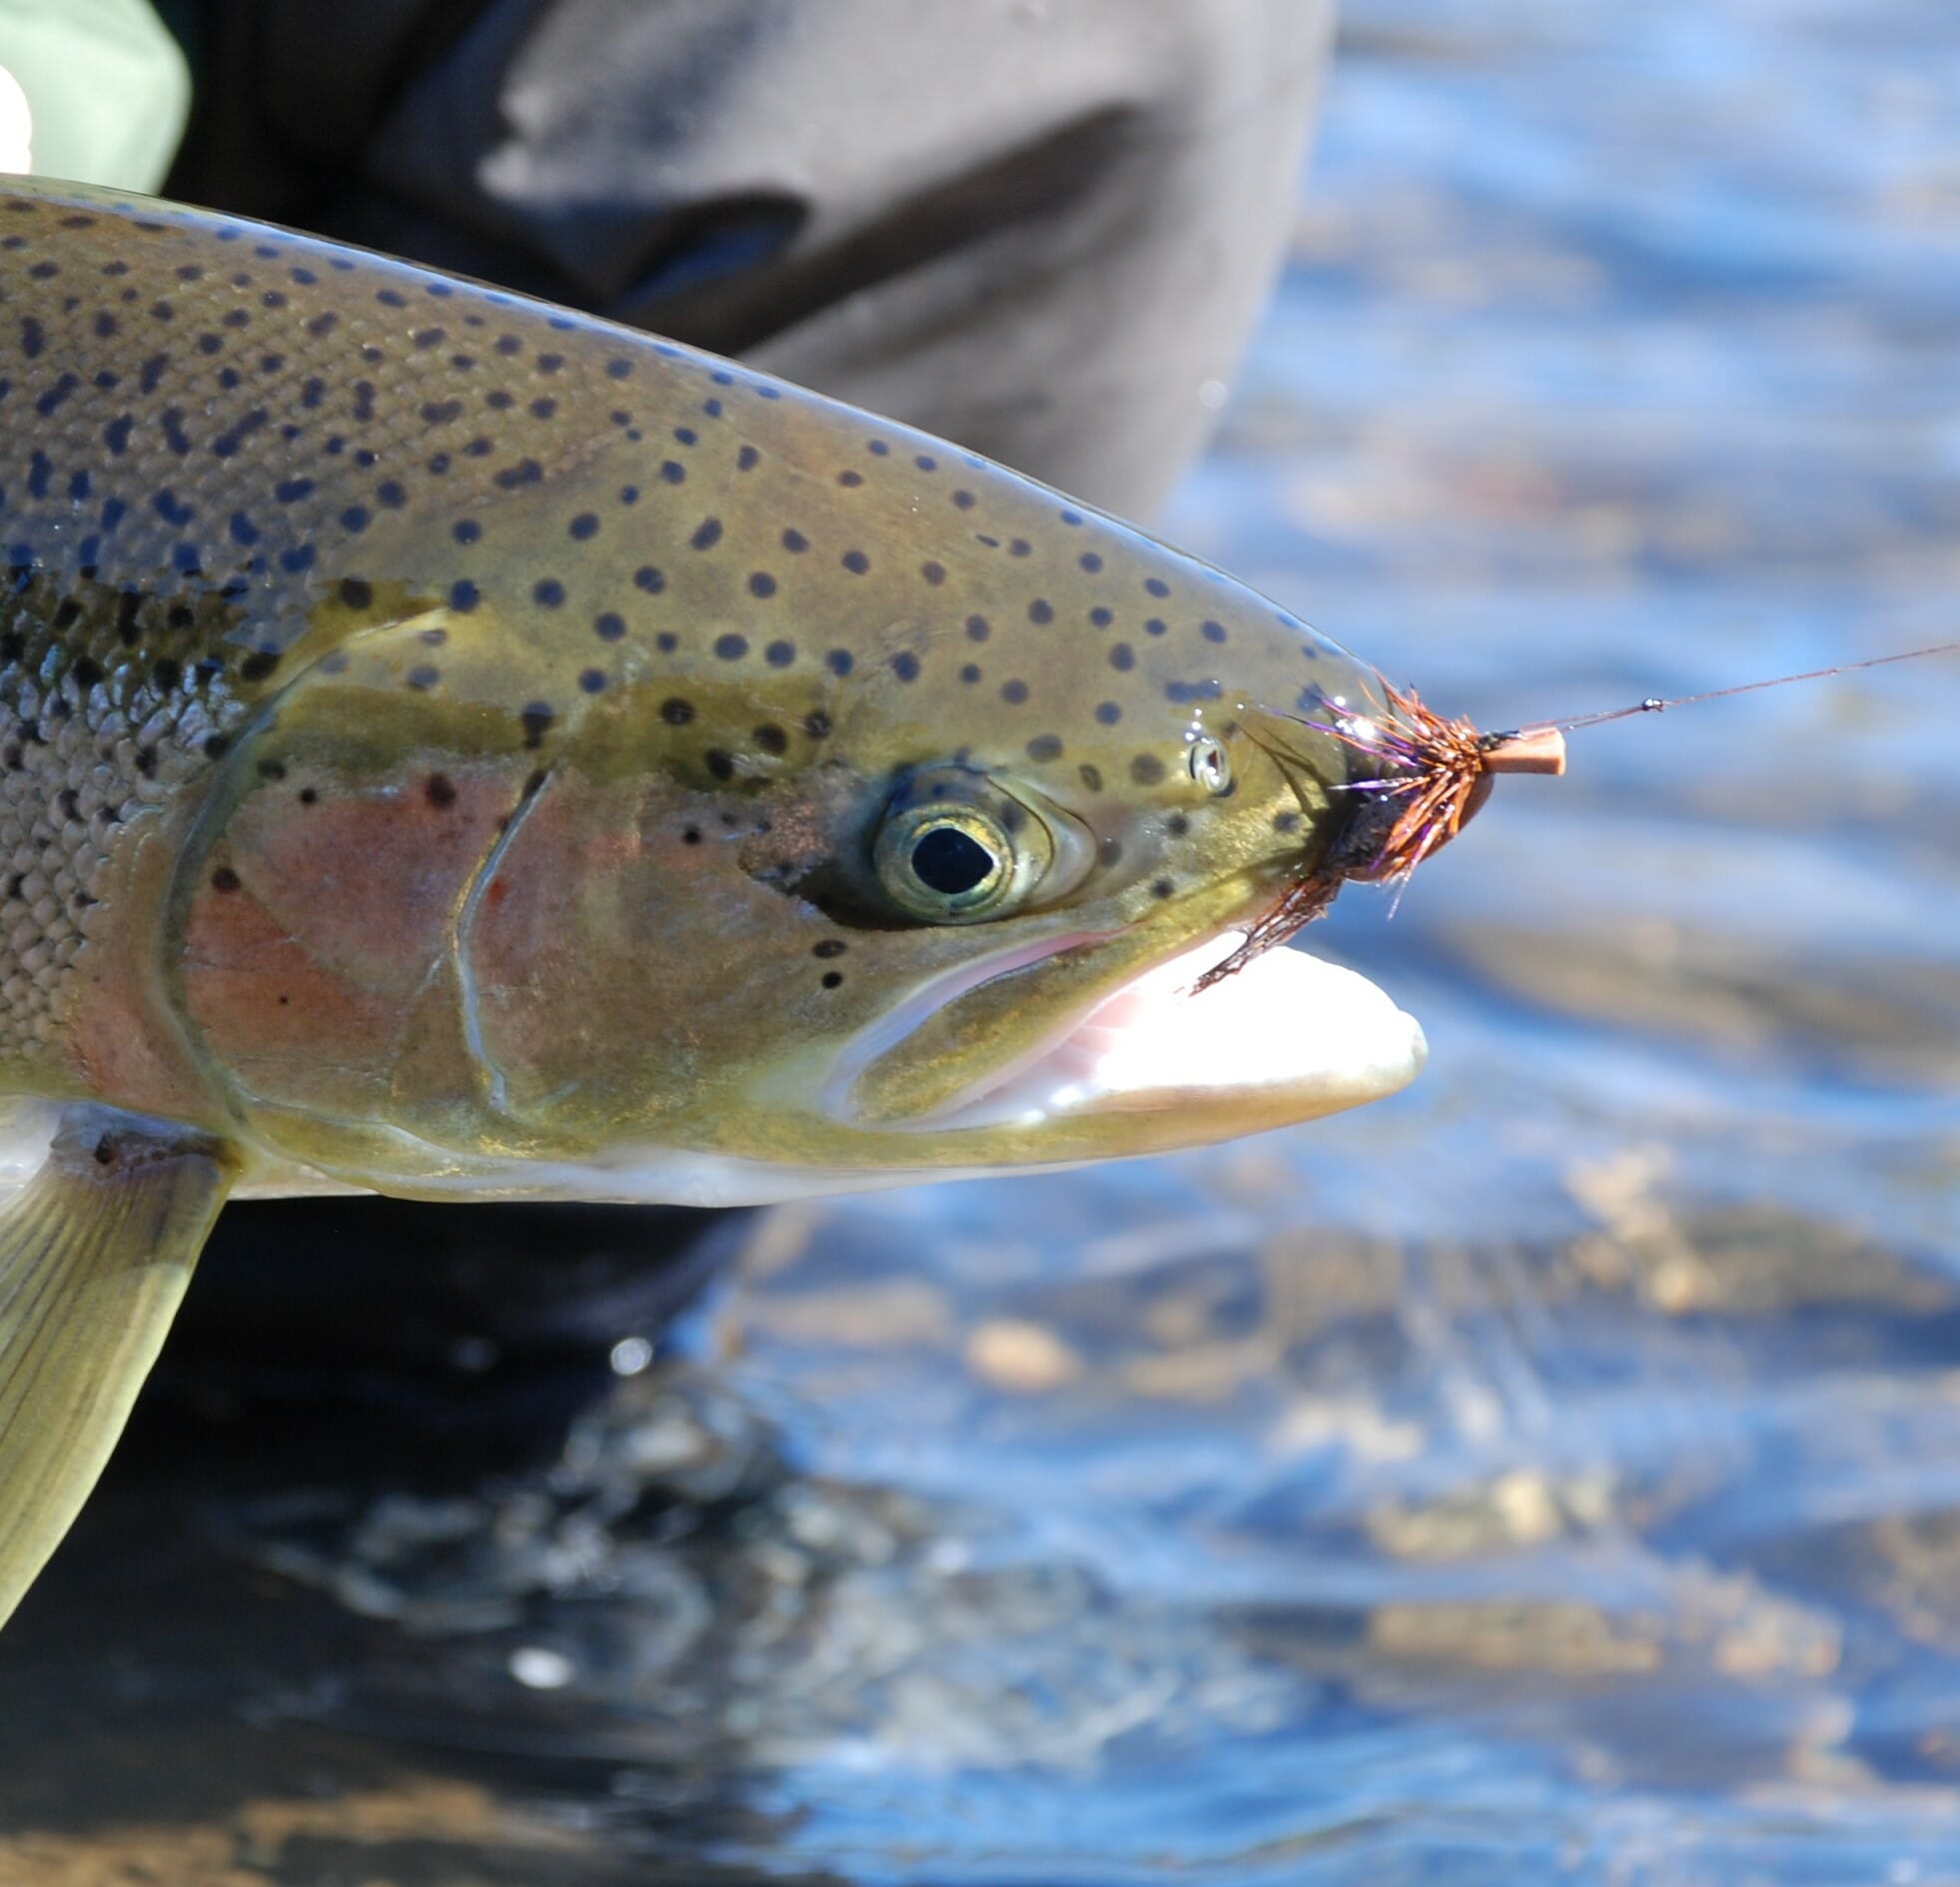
[453,747]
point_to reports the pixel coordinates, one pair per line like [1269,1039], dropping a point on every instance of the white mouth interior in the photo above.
[1286,1026]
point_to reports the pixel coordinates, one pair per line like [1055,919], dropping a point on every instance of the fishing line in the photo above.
[1655,704]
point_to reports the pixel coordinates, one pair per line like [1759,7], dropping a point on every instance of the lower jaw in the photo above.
[1287,1038]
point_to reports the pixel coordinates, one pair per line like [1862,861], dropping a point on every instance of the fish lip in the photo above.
[1364,1047]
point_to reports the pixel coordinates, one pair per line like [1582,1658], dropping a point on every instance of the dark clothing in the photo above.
[1039,227]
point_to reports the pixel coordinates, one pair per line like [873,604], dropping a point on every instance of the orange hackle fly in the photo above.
[1437,772]
[1430,775]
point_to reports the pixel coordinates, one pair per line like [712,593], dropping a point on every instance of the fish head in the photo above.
[902,854]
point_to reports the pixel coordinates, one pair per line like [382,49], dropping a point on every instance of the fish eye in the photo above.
[956,844]
[1210,764]
[945,862]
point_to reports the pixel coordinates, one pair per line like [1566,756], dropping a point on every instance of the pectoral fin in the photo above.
[95,1251]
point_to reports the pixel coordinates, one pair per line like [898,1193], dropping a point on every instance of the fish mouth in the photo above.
[1287,1037]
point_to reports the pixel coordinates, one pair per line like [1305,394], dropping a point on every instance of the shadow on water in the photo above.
[1548,1474]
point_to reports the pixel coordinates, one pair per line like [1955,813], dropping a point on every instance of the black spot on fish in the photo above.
[583,527]
[1108,714]
[56,395]
[548,593]
[832,979]
[355,592]
[466,531]
[762,583]
[675,711]
[1045,747]
[855,562]
[1122,657]
[1147,770]
[1041,611]
[609,628]
[829,947]
[708,534]
[465,596]
[779,654]
[224,879]
[731,647]
[1014,692]
[424,676]
[840,661]
[816,723]
[536,719]
[905,666]
[592,680]
[771,739]
[720,765]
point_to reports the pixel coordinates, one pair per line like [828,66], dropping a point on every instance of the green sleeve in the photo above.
[107,90]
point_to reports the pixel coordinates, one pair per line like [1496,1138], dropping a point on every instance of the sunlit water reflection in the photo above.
[1552,1474]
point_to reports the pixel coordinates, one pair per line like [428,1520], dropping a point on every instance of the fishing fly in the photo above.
[1434,776]
[1438,772]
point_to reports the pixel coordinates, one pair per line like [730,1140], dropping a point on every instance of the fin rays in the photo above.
[95,1253]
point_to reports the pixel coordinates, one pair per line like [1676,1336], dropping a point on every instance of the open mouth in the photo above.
[1289,1037]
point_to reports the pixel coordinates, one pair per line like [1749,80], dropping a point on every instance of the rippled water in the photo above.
[1553,1473]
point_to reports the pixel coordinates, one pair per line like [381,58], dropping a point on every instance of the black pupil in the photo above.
[946,860]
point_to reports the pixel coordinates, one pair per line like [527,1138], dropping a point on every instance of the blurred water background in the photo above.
[1550,1474]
